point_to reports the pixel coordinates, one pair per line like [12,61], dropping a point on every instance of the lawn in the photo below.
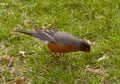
[24,59]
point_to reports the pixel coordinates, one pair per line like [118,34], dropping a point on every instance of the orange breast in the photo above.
[61,49]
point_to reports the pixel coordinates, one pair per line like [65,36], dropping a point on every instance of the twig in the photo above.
[10,62]
[3,78]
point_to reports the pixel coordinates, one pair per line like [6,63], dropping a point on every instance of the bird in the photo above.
[57,41]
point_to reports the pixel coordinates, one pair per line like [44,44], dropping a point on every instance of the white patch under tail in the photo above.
[46,42]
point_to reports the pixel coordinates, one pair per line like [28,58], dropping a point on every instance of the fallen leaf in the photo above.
[20,81]
[102,58]
[6,57]
[22,53]
[97,71]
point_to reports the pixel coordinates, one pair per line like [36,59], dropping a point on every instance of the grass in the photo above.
[95,20]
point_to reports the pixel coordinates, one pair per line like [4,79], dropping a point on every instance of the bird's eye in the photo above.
[87,49]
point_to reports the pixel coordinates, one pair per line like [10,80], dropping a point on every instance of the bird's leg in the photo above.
[52,57]
[64,56]
[56,56]
[61,54]
[53,54]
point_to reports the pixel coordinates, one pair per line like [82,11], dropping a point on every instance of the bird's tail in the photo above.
[40,34]
[34,34]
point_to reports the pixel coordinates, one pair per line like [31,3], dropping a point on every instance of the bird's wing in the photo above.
[46,35]
[62,38]
[59,38]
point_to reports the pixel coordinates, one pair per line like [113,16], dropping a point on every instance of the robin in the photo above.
[58,42]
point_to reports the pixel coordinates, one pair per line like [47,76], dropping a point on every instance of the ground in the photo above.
[27,60]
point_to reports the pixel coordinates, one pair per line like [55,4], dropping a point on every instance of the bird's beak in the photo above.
[90,53]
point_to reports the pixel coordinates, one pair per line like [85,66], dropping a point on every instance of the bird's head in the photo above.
[85,46]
